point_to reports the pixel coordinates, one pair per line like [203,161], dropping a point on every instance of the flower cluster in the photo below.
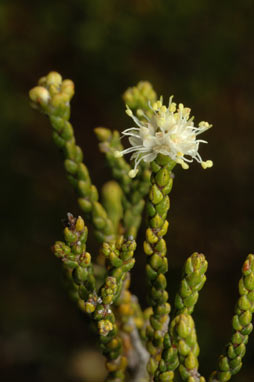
[170,131]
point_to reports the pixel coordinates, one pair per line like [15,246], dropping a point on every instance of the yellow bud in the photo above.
[105,326]
[59,99]
[80,224]
[39,94]
[68,87]
[54,78]
[89,307]
[42,81]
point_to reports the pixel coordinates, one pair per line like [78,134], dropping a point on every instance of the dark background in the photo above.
[200,51]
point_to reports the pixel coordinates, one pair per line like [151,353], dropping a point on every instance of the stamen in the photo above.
[207,164]
[118,154]
[133,173]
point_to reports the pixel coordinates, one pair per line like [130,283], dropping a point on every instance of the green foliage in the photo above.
[147,342]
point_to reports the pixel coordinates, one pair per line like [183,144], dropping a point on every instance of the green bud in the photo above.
[240,350]
[161,247]
[166,189]
[103,134]
[94,197]
[235,323]
[236,369]
[168,376]
[163,309]
[70,166]
[163,206]
[249,281]
[85,205]
[231,352]
[161,282]
[114,259]
[194,278]
[247,329]
[155,195]
[188,267]
[170,355]
[54,78]
[68,88]
[251,299]
[242,289]
[67,131]
[224,376]
[223,364]
[163,160]
[117,273]
[191,361]
[179,302]
[156,261]
[85,259]
[152,366]
[150,236]
[99,222]
[129,265]
[185,290]
[185,374]
[156,324]
[78,154]
[155,167]
[151,211]
[70,264]
[245,318]
[108,299]
[183,329]
[79,275]
[248,266]
[162,177]
[164,229]
[59,99]
[83,173]
[156,221]
[83,291]
[164,265]
[70,237]
[59,141]
[150,272]
[235,362]
[237,338]
[191,300]
[244,303]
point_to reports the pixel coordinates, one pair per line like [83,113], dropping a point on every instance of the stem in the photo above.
[157,264]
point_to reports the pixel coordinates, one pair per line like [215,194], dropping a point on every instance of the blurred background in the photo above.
[200,51]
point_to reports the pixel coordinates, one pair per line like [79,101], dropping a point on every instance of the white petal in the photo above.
[135,141]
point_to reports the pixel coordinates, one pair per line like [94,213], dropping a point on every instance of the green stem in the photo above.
[231,362]
[157,264]
[52,97]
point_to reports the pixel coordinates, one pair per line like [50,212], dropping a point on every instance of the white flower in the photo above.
[169,131]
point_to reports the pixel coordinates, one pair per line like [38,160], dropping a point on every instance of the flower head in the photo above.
[169,131]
